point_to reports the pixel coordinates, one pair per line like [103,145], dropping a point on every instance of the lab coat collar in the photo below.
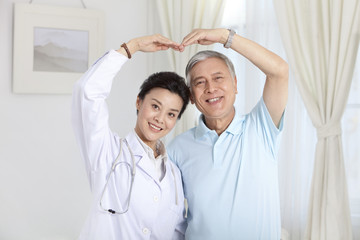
[160,148]
[135,146]
[142,159]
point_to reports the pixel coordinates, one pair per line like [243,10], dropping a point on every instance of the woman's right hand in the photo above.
[152,43]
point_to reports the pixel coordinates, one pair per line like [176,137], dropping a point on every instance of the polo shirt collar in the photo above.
[201,129]
[235,127]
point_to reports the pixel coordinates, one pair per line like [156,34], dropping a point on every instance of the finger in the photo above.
[192,33]
[167,41]
[205,42]
[170,44]
[163,47]
[166,47]
[176,48]
[191,38]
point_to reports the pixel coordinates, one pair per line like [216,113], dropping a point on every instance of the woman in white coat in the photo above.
[137,191]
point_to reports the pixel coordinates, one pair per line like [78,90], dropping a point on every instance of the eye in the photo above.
[156,107]
[218,78]
[172,115]
[199,83]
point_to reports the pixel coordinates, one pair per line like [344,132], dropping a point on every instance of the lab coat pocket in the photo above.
[169,221]
[177,209]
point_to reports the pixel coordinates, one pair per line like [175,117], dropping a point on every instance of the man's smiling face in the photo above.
[213,90]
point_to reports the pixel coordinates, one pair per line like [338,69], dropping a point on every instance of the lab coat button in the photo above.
[145,231]
[156,198]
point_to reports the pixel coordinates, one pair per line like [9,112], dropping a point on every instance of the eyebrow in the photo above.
[172,109]
[197,78]
[212,74]
[216,73]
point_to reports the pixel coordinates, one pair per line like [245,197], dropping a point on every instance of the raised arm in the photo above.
[275,91]
[89,109]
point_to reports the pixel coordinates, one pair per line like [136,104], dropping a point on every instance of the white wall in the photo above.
[44,192]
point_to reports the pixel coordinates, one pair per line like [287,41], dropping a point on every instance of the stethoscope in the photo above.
[132,169]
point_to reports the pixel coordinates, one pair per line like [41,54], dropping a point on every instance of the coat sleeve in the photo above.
[89,113]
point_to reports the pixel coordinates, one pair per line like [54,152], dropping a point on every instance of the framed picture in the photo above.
[54,46]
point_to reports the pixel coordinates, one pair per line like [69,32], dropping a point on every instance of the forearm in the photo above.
[152,43]
[268,62]
[132,47]
[275,91]
[89,110]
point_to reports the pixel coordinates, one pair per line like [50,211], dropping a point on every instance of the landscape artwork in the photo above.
[60,50]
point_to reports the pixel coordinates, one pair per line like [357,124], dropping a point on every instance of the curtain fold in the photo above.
[177,19]
[321,39]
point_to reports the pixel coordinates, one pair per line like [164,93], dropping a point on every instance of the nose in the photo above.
[159,117]
[210,87]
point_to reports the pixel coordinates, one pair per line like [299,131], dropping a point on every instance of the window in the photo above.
[351,139]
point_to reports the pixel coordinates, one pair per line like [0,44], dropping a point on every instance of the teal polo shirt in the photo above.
[231,180]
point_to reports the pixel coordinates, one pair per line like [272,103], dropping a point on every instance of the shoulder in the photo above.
[261,117]
[179,144]
[183,138]
[174,167]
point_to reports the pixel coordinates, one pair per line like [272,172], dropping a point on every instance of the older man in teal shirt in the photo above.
[228,162]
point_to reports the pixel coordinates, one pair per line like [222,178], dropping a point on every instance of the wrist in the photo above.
[128,49]
[224,36]
[133,46]
[229,39]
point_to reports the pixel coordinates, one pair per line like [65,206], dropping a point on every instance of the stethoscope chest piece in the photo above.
[132,170]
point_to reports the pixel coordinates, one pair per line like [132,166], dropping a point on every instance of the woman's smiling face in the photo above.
[157,115]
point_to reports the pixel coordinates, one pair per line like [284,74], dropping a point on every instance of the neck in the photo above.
[151,144]
[219,124]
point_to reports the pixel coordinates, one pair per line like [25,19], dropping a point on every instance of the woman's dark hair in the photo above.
[170,81]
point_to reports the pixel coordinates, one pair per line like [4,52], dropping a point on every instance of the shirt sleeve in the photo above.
[171,153]
[265,127]
[89,113]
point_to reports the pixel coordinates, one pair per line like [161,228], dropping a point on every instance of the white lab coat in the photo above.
[156,210]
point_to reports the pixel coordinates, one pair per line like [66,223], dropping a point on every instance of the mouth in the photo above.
[155,127]
[214,100]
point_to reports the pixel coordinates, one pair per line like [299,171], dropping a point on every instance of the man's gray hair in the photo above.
[200,56]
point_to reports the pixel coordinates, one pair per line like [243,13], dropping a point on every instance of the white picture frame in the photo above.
[50,48]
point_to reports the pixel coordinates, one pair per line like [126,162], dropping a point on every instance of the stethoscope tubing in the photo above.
[133,173]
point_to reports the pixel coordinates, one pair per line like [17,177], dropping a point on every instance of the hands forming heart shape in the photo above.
[158,42]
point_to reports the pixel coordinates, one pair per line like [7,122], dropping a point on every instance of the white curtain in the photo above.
[321,40]
[177,19]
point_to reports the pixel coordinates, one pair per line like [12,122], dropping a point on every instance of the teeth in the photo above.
[214,99]
[155,127]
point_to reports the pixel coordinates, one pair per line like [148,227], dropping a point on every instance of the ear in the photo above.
[138,103]
[192,98]
[235,85]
